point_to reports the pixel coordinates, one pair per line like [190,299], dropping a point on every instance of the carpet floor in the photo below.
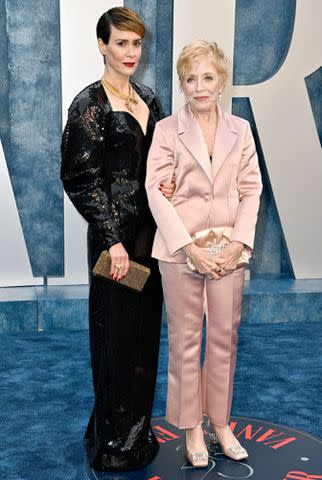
[46,392]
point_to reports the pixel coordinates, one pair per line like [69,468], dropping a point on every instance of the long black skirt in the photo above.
[124,329]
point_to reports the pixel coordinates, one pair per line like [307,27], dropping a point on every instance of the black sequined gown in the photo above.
[103,171]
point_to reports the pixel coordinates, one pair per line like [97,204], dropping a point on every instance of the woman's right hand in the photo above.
[167,189]
[119,261]
[202,260]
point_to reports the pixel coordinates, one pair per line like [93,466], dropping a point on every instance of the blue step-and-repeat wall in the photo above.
[48,53]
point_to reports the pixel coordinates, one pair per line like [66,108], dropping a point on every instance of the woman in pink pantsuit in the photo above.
[214,159]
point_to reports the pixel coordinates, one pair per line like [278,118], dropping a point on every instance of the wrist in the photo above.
[115,248]
[188,248]
[237,246]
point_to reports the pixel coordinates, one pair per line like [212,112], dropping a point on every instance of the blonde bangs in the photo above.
[198,49]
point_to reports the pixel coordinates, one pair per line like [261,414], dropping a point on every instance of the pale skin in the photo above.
[201,86]
[122,55]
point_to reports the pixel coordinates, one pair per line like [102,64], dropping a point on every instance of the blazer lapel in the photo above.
[224,142]
[191,136]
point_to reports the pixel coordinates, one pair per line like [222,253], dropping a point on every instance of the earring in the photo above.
[220,95]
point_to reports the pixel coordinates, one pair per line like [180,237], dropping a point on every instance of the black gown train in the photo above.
[103,170]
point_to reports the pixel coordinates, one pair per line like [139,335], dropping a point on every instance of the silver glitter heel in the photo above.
[213,438]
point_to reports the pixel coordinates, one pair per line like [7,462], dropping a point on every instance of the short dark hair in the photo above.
[122,18]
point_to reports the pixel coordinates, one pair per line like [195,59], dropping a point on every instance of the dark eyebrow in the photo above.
[126,40]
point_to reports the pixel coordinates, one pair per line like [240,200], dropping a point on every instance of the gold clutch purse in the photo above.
[215,240]
[135,278]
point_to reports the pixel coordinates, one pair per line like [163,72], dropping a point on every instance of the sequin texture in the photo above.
[103,171]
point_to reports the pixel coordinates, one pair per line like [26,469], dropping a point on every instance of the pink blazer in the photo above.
[224,192]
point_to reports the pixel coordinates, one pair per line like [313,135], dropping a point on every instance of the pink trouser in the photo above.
[192,393]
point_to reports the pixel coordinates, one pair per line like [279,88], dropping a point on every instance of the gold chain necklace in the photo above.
[130,98]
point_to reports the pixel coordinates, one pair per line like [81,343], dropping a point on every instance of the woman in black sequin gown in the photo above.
[104,152]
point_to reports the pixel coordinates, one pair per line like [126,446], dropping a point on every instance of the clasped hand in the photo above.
[215,266]
[228,258]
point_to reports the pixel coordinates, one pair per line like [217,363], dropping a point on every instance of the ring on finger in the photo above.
[118,266]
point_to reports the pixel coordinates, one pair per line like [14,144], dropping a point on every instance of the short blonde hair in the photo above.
[201,48]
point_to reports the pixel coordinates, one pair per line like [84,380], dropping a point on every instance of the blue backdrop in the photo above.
[30,104]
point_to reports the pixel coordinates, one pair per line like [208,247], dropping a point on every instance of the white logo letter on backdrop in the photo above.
[15,268]
[290,141]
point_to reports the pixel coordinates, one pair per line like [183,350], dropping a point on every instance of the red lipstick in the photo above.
[129,64]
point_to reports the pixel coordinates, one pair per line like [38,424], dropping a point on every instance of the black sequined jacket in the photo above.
[103,170]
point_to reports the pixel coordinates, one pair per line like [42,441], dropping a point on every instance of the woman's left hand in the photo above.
[167,189]
[228,258]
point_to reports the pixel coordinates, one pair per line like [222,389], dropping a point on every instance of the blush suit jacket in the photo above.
[224,192]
